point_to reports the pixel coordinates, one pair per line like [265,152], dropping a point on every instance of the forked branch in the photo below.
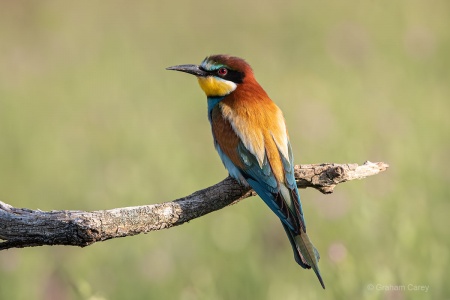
[22,227]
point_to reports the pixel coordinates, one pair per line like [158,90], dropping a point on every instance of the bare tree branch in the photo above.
[22,227]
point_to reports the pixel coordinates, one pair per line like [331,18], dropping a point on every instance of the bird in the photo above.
[250,136]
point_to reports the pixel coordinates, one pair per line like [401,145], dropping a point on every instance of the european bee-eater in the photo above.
[250,136]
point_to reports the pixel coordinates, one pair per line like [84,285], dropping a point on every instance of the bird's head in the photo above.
[219,75]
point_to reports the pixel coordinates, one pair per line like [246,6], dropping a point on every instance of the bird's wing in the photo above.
[270,173]
[268,170]
[281,197]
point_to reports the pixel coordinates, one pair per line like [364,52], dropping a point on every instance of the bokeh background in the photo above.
[89,120]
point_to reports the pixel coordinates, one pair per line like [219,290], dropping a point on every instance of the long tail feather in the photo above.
[305,254]
[308,253]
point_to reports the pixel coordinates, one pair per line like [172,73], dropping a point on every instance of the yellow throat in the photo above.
[214,87]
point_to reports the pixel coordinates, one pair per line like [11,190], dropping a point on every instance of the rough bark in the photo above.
[22,227]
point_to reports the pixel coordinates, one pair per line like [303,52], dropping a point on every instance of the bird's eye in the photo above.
[222,71]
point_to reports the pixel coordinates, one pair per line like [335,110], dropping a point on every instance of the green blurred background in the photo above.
[89,120]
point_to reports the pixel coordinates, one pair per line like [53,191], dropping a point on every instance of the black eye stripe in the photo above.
[232,75]
[235,76]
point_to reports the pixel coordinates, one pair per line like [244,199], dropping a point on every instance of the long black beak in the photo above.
[191,69]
